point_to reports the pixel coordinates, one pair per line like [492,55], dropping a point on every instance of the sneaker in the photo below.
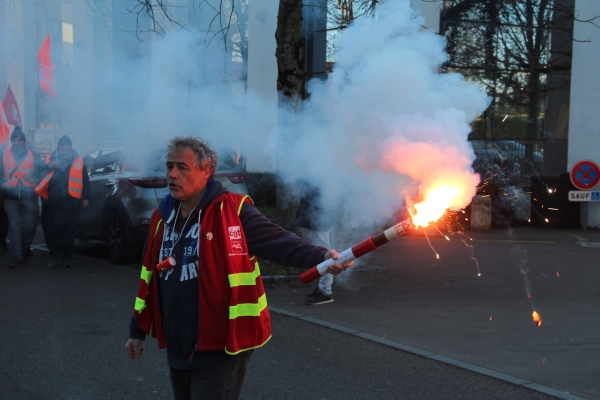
[319,298]
[313,293]
[16,263]
[53,262]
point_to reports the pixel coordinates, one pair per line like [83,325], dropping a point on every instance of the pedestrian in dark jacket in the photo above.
[20,169]
[209,310]
[65,190]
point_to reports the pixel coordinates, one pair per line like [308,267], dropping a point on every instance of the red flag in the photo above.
[4,129]
[46,67]
[11,108]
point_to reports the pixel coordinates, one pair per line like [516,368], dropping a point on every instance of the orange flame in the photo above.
[537,318]
[437,201]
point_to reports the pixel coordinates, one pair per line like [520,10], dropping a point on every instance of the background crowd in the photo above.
[60,184]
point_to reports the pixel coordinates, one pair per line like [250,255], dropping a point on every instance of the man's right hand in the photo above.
[134,348]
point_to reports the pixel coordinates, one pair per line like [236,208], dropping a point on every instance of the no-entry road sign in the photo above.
[585,174]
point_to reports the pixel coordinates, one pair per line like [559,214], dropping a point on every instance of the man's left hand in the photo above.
[335,269]
[86,203]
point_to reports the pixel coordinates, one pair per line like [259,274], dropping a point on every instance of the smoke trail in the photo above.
[386,125]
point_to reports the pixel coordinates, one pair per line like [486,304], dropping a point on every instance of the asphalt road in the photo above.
[64,330]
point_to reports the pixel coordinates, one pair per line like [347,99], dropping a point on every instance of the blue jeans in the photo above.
[22,220]
[223,381]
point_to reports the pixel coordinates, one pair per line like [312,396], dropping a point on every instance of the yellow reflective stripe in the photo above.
[146,274]
[248,309]
[140,304]
[246,349]
[244,278]
[222,206]
[242,203]
[158,226]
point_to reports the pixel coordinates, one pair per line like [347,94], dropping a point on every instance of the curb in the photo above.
[432,356]
[281,278]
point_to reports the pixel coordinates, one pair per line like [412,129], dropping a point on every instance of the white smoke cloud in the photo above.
[382,128]
[386,124]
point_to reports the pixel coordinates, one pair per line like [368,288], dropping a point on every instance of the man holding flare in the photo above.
[209,310]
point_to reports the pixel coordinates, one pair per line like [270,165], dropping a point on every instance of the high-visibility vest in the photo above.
[75,180]
[233,306]
[26,166]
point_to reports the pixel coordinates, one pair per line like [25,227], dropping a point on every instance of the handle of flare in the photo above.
[319,270]
[166,264]
[366,246]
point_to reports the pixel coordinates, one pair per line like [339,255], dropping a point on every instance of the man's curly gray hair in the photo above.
[205,154]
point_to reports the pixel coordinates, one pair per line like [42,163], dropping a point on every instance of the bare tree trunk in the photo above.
[290,86]
[290,51]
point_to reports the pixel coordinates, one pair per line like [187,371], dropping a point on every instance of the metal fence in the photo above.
[517,161]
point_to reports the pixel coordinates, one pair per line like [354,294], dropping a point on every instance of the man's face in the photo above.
[17,144]
[64,148]
[184,175]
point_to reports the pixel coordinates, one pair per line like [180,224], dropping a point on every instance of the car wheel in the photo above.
[117,239]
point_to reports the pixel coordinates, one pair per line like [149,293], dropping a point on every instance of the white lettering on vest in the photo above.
[184,274]
[166,274]
[193,232]
[193,269]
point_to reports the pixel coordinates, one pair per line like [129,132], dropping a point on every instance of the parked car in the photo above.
[486,153]
[127,183]
[514,151]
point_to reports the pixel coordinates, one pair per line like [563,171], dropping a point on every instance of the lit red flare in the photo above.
[358,250]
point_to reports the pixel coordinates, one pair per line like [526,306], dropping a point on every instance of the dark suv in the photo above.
[127,183]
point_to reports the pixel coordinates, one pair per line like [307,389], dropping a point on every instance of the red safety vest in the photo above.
[25,167]
[233,306]
[75,180]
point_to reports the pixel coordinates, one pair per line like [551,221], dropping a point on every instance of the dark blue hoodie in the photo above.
[178,288]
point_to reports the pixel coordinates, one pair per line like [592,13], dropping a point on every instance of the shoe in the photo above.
[67,263]
[16,263]
[319,298]
[313,293]
[53,262]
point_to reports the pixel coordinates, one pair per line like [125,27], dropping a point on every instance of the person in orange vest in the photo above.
[201,294]
[66,190]
[20,170]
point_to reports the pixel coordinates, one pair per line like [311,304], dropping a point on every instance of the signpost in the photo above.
[580,195]
[585,175]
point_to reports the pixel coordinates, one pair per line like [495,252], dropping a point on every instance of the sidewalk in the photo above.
[403,294]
